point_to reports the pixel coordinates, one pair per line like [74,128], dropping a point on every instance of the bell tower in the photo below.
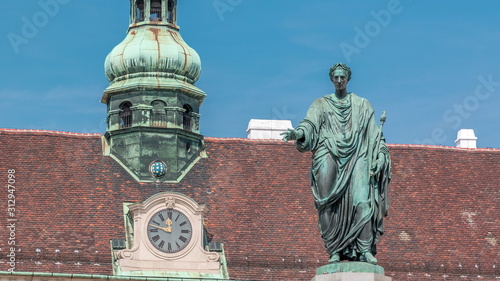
[153,105]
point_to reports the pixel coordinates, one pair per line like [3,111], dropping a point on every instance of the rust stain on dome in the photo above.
[184,51]
[155,32]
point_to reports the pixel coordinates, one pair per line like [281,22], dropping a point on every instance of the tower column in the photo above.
[164,10]
[147,10]
[114,119]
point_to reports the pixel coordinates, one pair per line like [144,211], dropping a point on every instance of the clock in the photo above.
[167,238]
[169,230]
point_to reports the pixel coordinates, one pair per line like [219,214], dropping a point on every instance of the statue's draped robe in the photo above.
[346,143]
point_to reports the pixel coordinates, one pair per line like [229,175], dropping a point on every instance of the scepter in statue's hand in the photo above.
[383,117]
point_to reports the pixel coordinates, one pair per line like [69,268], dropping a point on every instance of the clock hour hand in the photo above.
[166,229]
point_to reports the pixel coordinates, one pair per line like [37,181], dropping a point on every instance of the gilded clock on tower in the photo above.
[169,230]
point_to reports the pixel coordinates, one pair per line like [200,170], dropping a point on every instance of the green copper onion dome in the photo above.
[153,105]
[153,48]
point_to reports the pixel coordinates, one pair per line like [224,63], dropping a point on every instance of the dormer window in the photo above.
[155,14]
[139,10]
[126,115]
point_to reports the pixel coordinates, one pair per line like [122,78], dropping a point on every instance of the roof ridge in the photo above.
[442,147]
[270,141]
[36,131]
[218,139]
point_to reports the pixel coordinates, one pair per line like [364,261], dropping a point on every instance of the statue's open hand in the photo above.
[292,134]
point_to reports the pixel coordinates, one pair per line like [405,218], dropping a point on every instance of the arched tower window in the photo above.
[139,10]
[158,115]
[186,117]
[171,12]
[125,115]
[156,10]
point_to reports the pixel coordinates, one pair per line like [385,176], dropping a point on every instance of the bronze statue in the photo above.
[350,170]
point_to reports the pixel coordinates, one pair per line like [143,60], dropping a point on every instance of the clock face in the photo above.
[169,230]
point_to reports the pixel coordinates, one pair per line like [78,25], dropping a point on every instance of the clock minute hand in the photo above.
[166,229]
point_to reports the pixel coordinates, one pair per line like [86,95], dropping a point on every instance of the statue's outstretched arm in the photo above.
[292,134]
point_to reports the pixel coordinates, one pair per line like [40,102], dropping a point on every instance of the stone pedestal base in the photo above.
[351,271]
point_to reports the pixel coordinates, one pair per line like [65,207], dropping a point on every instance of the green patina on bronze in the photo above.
[350,267]
[149,138]
[152,101]
[350,170]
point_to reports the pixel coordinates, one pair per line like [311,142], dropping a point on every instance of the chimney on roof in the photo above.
[466,138]
[267,129]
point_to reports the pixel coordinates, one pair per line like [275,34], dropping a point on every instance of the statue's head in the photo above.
[340,74]
[341,66]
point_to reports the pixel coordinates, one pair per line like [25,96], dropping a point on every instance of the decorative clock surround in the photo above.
[168,240]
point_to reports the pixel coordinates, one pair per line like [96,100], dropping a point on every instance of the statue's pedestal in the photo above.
[351,271]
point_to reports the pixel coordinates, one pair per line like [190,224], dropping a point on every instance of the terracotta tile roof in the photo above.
[444,207]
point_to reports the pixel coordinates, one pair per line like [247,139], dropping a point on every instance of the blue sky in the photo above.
[434,66]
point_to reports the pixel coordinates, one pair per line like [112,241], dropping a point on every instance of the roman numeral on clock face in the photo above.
[169,230]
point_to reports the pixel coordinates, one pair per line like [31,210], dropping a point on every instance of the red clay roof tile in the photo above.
[444,207]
